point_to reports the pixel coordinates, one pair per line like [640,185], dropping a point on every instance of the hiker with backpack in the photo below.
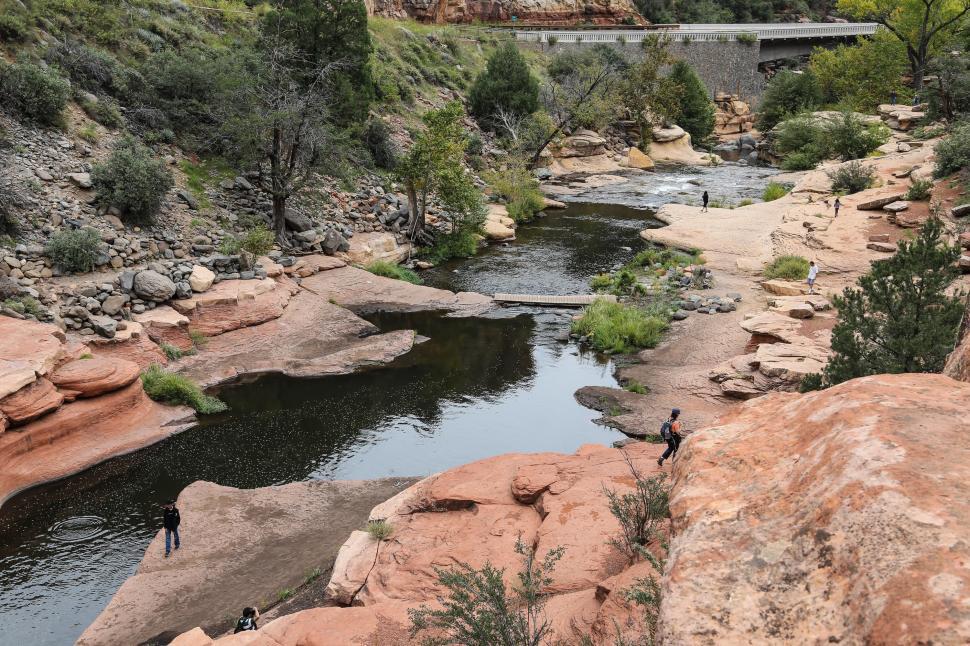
[171,519]
[670,433]
[247,621]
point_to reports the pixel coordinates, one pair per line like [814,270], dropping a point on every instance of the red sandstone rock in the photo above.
[840,516]
[138,348]
[313,264]
[27,346]
[31,402]
[234,304]
[94,376]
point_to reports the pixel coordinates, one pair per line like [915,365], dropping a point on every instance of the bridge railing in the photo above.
[704,33]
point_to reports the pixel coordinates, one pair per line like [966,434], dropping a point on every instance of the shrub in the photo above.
[105,111]
[174,353]
[920,189]
[773,191]
[851,178]
[639,512]
[132,180]
[787,268]
[379,530]
[552,40]
[507,84]
[170,388]
[257,241]
[847,137]
[902,317]
[622,283]
[91,69]
[13,28]
[74,251]
[390,270]
[953,152]
[801,160]
[377,138]
[614,327]
[35,92]
[461,243]
[787,93]
[747,39]
[520,190]
[480,611]
[27,305]
[634,386]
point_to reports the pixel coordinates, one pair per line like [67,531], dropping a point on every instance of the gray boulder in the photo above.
[298,222]
[153,286]
[334,242]
[104,325]
[113,304]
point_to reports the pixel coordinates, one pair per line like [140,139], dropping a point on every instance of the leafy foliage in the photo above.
[377,139]
[805,140]
[34,92]
[132,180]
[901,317]
[696,111]
[953,152]
[787,268]
[479,611]
[774,191]
[848,137]
[507,84]
[861,76]
[391,270]
[520,190]
[851,178]
[615,327]
[170,388]
[74,250]
[787,94]
[622,283]
[639,512]
[379,530]
[920,189]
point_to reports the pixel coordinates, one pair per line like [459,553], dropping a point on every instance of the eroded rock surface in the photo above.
[833,517]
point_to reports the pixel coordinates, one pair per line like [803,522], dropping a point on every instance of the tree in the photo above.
[506,85]
[901,318]
[923,26]
[276,117]
[696,113]
[132,179]
[649,97]
[322,32]
[434,167]
[861,76]
[952,98]
[579,83]
[787,94]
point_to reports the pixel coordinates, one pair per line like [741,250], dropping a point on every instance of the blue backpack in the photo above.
[665,428]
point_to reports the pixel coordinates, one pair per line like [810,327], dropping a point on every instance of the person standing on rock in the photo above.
[706,199]
[812,274]
[892,97]
[171,519]
[670,433]
[837,205]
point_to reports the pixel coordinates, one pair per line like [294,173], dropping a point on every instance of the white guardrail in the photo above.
[704,32]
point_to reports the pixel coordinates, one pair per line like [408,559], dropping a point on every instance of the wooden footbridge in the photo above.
[575,300]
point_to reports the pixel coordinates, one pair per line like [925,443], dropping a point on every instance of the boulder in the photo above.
[81,180]
[28,345]
[774,326]
[882,247]
[896,207]
[94,376]
[113,304]
[498,225]
[823,518]
[333,242]
[153,286]
[31,402]
[14,375]
[784,287]
[638,159]
[201,278]
[789,362]
[297,221]
[960,210]
[662,135]
[965,240]
[353,564]
[584,143]
[103,325]
[876,203]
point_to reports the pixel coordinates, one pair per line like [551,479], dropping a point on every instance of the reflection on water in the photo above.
[479,387]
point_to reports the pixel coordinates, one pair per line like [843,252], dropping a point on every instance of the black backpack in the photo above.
[244,623]
[666,428]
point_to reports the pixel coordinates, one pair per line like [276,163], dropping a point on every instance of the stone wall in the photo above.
[730,67]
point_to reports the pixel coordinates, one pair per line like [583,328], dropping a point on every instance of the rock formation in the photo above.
[547,12]
[825,518]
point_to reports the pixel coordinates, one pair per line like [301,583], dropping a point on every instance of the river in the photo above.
[477,387]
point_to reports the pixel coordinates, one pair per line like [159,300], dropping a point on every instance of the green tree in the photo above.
[861,76]
[324,32]
[787,94]
[507,85]
[901,318]
[923,26]
[33,91]
[434,168]
[132,180]
[649,97]
[696,113]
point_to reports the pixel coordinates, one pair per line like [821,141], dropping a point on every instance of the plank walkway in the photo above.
[576,300]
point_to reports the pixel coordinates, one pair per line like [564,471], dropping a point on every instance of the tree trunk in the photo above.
[416,221]
[279,216]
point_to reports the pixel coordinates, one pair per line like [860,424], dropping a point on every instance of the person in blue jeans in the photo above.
[171,520]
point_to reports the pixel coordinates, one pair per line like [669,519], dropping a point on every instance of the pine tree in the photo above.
[506,84]
[901,318]
[696,109]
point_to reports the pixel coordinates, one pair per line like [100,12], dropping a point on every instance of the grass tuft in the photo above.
[380,530]
[787,268]
[390,270]
[172,388]
[619,328]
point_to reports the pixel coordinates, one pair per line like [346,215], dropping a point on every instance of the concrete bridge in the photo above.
[726,57]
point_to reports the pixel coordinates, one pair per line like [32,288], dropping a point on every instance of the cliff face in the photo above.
[550,12]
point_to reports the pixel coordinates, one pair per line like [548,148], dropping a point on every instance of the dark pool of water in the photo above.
[478,387]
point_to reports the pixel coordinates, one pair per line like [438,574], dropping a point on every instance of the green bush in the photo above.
[773,191]
[377,138]
[851,178]
[379,530]
[27,305]
[622,283]
[614,327]
[640,512]
[35,92]
[507,84]
[920,189]
[953,153]
[804,141]
[170,388]
[74,251]
[520,190]
[390,270]
[13,28]
[462,243]
[801,160]
[787,268]
[105,111]
[848,137]
[696,112]
[666,258]
[132,180]
[787,94]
